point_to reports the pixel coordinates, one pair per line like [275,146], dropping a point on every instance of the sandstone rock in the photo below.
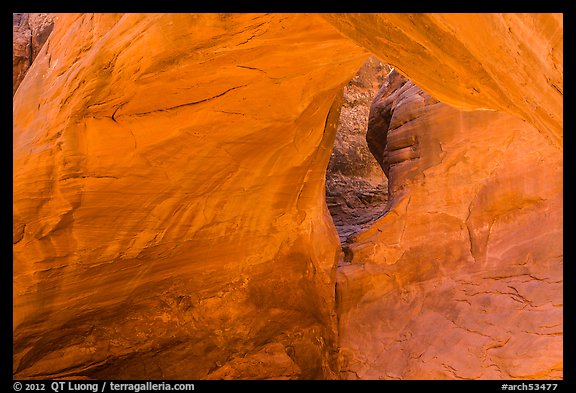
[41,25]
[356,188]
[463,276]
[20,51]
[169,209]
[30,32]
[169,213]
[509,62]
[272,361]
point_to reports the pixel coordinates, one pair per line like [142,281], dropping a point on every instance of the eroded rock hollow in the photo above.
[170,219]
[356,187]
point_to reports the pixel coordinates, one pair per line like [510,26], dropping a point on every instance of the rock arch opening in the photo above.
[356,186]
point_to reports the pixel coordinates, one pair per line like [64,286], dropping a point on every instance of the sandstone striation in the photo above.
[169,217]
[463,276]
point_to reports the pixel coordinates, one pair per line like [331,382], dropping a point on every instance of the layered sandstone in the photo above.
[463,276]
[169,212]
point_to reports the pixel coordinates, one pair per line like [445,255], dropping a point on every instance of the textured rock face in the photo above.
[30,32]
[463,276]
[169,213]
[356,188]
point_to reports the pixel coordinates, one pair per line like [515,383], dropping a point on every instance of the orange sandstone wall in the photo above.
[463,276]
[169,214]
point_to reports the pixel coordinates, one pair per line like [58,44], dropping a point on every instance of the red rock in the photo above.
[272,360]
[30,32]
[356,188]
[169,213]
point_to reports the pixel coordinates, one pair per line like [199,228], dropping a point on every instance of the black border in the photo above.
[334,6]
[569,271]
[399,6]
[6,217]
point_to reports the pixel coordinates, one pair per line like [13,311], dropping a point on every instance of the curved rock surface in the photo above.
[169,212]
[463,276]
[509,62]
